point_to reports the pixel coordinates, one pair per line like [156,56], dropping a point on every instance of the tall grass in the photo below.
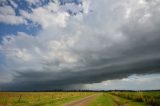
[149,99]
[39,98]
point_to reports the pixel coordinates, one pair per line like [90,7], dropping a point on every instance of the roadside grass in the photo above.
[102,100]
[106,99]
[125,102]
[61,101]
[149,98]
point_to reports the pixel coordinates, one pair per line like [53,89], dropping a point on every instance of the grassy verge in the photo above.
[125,102]
[149,98]
[57,102]
[102,100]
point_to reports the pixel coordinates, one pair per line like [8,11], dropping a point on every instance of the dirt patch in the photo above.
[82,102]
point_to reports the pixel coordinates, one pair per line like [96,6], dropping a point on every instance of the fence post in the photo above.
[19,98]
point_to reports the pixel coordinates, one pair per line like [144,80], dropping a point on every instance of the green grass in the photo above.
[122,101]
[102,100]
[39,98]
[106,99]
[149,98]
[59,98]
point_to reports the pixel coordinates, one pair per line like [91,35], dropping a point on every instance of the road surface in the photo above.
[82,102]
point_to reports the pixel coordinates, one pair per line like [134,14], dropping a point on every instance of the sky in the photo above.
[79,44]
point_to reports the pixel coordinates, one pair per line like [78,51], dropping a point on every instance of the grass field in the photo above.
[39,98]
[61,98]
[149,98]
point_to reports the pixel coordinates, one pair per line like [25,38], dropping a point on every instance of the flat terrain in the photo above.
[83,101]
[79,98]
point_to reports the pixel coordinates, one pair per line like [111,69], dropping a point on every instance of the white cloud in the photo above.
[86,5]
[7,10]
[51,14]
[9,19]
[47,15]
[28,52]
[7,15]
[33,2]
[74,8]
[19,54]
[65,45]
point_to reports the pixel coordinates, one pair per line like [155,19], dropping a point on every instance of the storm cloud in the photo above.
[108,40]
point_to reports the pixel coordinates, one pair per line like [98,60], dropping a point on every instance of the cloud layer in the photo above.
[108,40]
[143,82]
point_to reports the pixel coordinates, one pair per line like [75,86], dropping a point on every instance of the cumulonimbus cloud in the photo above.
[113,40]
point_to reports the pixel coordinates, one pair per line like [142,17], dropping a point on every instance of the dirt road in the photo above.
[82,102]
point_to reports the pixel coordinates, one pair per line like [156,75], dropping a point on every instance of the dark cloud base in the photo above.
[105,49]
[32,80]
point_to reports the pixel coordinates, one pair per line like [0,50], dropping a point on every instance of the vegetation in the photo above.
[125,102]
[60,98]
[39,98]
[102,100]
[106,99]
[149,98]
